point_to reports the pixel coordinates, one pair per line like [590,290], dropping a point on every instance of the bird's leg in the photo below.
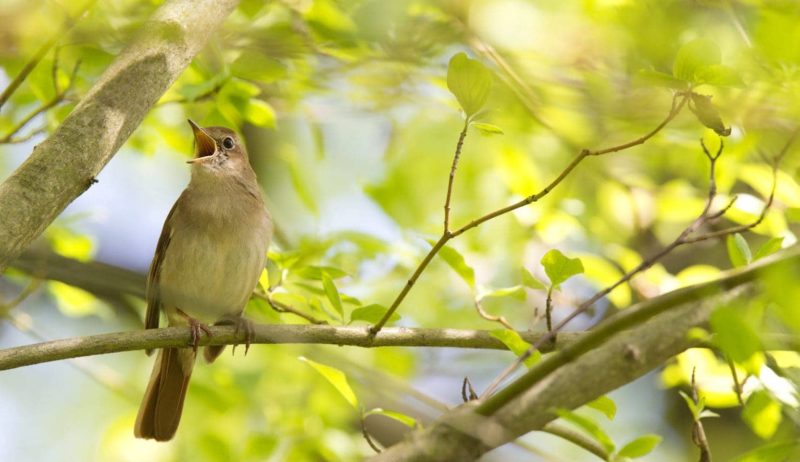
[240,323]
[195,327]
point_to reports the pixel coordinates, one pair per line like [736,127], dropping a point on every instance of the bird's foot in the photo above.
[195,328]
[245,324]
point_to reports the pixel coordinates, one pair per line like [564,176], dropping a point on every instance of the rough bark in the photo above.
[55,350]
[64,166]
[660,332]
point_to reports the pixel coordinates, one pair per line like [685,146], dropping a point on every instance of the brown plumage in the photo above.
[207,262]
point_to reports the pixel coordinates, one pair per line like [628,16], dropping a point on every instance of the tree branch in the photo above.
[64,165]
[171,337]
[68,24]
[635,341]
[678,101]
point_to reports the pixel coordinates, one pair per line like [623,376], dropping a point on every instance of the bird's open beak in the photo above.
[204,145]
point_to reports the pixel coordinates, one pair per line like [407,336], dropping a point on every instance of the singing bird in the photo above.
[207,262]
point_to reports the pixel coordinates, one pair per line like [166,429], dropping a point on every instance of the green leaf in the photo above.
[70,244]
[589,426]
[372,314]
[640,447]
[263,280]
[738,250]
[560,268]
[694,57]
[487,129]
[470,82]
[781,451]
[336,378]
[660,79]
[695,408]
[708,115]
[252,65]
[705,414]
[768,248]
[457,263]
[516,344]
[514,291]
[260,113]
[73,301]
[762,414]
[605,405]
[317,272]
[332,293]
[400,417]
[734,334]
[530,281]
[719,75]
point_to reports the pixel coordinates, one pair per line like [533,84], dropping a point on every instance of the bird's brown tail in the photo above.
[160,411]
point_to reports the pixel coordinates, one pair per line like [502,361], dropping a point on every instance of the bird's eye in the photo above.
[228,143]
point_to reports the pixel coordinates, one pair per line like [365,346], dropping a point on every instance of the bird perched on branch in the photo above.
[208,260]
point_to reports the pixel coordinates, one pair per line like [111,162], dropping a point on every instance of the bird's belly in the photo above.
[207,277]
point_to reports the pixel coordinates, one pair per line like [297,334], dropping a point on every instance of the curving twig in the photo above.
[176,337]
[67,25]
[58,97]
[683,238]
[678,102]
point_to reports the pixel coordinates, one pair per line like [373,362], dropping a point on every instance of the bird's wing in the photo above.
[153,295]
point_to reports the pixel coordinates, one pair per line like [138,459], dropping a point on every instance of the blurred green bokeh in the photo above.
[350,126]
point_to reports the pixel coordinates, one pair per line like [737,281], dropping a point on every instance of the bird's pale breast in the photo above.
[214,258]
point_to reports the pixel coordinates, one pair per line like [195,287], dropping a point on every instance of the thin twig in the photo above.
[698,433]
[6,307]
[365,433]
[409,284]
[284,308]
[57,98]
[548,310]
[174,337]
[66,26]
[678,101]
[737,385]
[467,392]
[577,438]
[452,177]
[208,94]
[26,137]
[482,313]
[682,239]
[99,373]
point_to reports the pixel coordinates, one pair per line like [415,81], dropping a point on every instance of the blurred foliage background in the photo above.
[351,129]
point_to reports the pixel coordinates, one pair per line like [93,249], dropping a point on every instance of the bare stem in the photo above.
[678,101]
[284,308]
[68,24]
[453,175]
[57,98]
[698,433]
[173,337]
[482,313]
[682,239]
[410,283]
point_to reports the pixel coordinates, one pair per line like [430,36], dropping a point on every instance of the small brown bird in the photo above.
[208,259]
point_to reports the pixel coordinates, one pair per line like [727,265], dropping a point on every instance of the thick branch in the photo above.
[635,341]
[64,166]
[27,355]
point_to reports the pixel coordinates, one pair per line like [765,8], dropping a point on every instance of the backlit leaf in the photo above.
[738,250]
[516,344]
[336,378]
[469,81]
[559,268]
[694,57]
[640,447]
